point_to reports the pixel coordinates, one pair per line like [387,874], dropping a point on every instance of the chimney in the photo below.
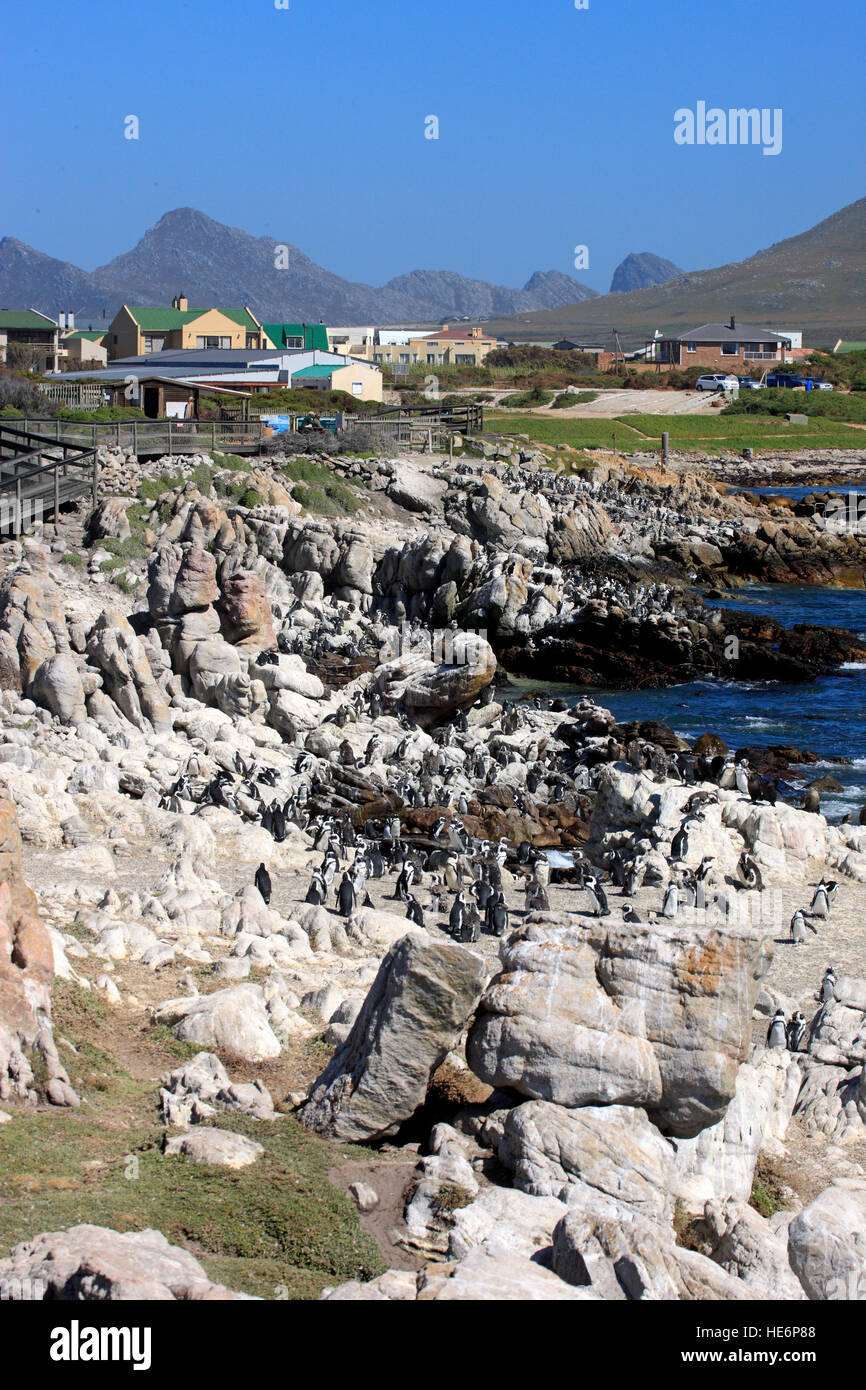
[181,302]
[733,323]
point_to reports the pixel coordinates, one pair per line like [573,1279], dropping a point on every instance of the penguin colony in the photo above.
[450,879]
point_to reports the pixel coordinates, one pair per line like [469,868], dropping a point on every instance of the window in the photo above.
[152,343]
[404,357]
[377,357]
[431,357]
[465,357]
[691,347]
[730,349]
[252,340]
[212,341]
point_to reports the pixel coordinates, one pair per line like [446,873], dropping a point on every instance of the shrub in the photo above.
[71,557]
[250,497]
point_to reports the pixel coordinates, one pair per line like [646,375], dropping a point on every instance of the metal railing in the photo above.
[154,436]
[38,474]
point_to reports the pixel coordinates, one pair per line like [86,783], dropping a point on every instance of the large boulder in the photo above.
[432,688]
[546,1028]
[26,975]
[827,1243]
[57,685]
[235,1019]
[119,654]
[92,1262]
[414,1014]
[745,1245]
[613,1149]
[246,612]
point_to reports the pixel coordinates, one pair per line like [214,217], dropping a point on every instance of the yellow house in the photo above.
[359,379]
[463,346]
[135,330]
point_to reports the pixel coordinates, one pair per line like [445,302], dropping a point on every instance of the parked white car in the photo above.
[716,381]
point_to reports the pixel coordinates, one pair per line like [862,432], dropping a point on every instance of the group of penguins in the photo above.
[478,907]
[791,1034]
[822,899]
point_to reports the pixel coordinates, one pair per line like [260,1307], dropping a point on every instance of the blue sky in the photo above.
[307,124]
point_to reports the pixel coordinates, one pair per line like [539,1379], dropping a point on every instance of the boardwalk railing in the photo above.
[38,474]
[155,436]
[465,419]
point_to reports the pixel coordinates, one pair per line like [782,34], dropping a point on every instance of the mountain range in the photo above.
[815,281]
[212,264]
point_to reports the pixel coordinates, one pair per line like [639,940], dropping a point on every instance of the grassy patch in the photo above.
[250,497]
[706,434]
[766,1195]
[278,1225]
[317,489]
[71,557]
[450,1197]
[233,462]
[152,489]
[528,399]
[569,398]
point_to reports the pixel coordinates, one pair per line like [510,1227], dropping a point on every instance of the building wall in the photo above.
[346,378]
[441,350]
[79,350]
[709,357]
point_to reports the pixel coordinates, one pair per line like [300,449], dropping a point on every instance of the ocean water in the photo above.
[826,717]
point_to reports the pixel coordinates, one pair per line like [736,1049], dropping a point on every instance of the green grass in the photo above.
[152,489]
[276,1225]
[250,497]
[708,434]
[566,399]
[317,489]
[233,462]
[71,557]
[528,398]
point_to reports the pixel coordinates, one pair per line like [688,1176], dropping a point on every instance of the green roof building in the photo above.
[298,335]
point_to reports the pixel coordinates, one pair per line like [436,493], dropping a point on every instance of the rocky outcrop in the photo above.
[678,999]
[415,1012]
[94,1263]
[827,1243]
[26,975]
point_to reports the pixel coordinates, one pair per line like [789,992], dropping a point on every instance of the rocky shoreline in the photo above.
[255,764]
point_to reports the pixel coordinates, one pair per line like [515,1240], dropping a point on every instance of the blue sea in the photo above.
[826,717]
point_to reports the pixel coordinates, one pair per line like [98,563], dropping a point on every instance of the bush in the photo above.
[535,397]
[19,397]
[250,497]
[71,557]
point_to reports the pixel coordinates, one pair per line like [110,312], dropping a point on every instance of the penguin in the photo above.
[413,911]
[827,990]
[457,915]
[820,905]
[346,897]
[680,842]
[630,916]
[777,1033]
[317,890]
[404,881]
[671,902]
[798,927]
[741,776]
[796,1032]
[597,896]
[812,800]
[500,917]
[632,881]
[278,825]
[749,872]
[263,883]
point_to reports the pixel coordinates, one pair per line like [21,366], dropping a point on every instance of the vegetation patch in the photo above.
[767,1190]
[72,558]
[277,1228]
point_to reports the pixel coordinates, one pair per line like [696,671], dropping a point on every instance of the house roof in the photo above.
[160,319]
[93,335]
[723,333]
[849,345]
[25,318]
[314,335]
[320,370]
[465,334]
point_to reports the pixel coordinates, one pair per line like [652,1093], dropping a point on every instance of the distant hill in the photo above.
[640,271]
[815,281]
[213,264]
